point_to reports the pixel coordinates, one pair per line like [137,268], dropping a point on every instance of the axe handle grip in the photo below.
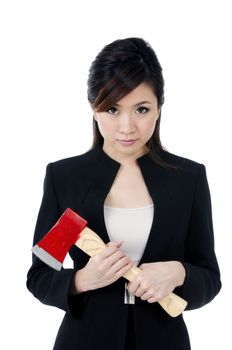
[92,244]
[172,304]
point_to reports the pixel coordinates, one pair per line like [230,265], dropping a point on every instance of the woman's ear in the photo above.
[95,115]
[93,111]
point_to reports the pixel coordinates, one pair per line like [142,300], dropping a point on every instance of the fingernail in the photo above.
[119,244]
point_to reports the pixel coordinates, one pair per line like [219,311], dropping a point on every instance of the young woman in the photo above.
[151,207]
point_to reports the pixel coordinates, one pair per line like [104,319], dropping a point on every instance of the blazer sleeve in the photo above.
[47,285]
[202,282]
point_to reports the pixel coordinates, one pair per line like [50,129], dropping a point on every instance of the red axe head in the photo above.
[54,246]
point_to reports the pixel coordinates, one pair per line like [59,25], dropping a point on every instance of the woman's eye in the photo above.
[112,110]
[142,110]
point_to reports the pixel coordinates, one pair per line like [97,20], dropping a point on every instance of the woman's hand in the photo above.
[157,280]
[102,269]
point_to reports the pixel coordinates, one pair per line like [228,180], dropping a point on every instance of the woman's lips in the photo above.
[127,142]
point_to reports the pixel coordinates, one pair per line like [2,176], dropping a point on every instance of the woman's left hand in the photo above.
[157,280]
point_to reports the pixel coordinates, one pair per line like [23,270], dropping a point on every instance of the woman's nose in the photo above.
[126,125]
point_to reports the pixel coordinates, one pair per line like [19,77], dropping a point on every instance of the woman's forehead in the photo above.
[143,93]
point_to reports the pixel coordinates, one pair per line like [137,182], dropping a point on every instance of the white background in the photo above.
[46,50]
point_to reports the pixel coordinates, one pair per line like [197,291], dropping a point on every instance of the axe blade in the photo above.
[54,246]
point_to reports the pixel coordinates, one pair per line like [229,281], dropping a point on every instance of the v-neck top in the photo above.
[131,225]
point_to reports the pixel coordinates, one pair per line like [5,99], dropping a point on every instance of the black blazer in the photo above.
[182,230]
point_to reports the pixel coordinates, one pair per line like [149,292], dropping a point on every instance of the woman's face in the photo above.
[128,124]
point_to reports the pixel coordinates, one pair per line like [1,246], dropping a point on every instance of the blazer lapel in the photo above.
[156,179]
[105,171]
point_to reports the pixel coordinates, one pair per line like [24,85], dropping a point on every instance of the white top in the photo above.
[131,225]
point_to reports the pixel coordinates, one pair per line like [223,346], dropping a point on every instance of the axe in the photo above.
[72,229]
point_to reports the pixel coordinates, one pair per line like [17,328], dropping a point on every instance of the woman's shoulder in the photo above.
[186,171]
[181,162]
[81,159]
[79,165]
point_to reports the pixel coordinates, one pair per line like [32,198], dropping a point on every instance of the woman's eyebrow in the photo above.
[137,104]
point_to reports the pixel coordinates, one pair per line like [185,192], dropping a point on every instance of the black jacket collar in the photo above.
[104,172]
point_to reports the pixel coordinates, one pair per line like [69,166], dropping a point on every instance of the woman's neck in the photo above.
[123,158]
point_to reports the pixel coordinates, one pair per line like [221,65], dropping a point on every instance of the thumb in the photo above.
[142,266]
[115,244]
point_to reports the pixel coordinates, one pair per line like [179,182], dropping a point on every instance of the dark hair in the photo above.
[117,70]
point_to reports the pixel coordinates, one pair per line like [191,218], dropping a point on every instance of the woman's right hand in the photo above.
[102,269]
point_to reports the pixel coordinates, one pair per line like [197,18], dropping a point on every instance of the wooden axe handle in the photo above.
[92,244]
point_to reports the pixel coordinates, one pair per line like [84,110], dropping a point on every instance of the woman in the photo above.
[151,207]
